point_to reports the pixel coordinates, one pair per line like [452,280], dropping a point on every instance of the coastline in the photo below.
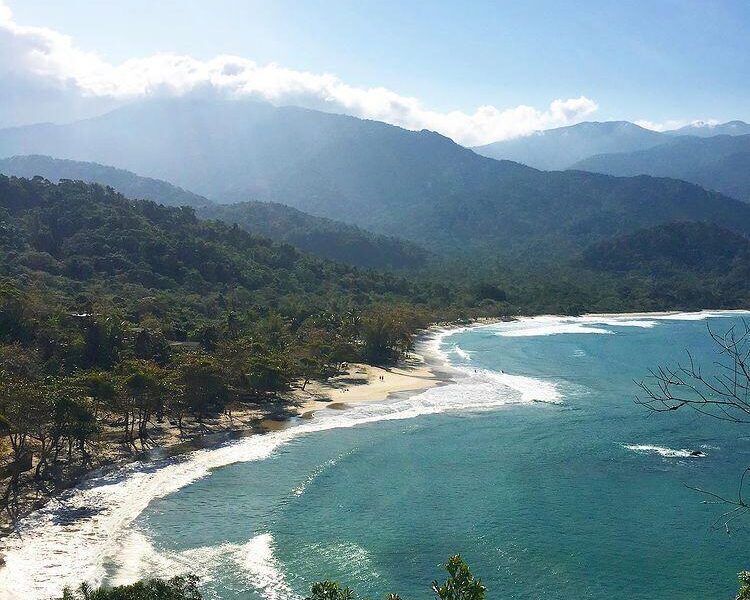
[358,384]
[94,507]
[143,482]
[362,383]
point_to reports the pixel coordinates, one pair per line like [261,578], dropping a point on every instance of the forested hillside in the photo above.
[420,186]
[696,264]
[319,236]
[125,182]
[120,313]
[720,163]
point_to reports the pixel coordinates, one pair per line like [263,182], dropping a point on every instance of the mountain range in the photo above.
[704,129]
[720,163]
[420,186]
[558,149]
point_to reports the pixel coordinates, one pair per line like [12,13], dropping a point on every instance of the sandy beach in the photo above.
[366,383]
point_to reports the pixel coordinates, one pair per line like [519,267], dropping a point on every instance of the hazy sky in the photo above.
[474,70]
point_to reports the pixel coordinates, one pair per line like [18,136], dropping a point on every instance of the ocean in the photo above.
[535,464]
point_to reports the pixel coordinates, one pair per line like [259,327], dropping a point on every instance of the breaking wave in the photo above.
[57,547]
[661,451]
[91,527]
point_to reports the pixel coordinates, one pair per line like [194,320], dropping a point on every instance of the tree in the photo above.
[744,593]
[143,387]
[460,584]
[722,393]
[329,590]
[13,317]
[182,587]
[200,386]
[387,333]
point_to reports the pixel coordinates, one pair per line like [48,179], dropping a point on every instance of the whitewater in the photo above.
[80,535]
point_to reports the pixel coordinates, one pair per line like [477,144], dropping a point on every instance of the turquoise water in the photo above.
[543,499]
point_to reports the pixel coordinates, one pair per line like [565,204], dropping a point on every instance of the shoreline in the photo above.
[429,368]
[359,384]
[362,383]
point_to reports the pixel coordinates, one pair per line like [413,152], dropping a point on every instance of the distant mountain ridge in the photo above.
[564,147]
[557,149]
[702,129]
[720,163]
[416,185]
[125,182]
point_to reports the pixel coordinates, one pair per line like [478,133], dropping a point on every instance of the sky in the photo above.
[477,71]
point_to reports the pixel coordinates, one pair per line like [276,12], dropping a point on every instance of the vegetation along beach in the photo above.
[336,301]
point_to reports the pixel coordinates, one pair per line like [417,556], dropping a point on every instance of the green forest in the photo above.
[123,315]
[119,314]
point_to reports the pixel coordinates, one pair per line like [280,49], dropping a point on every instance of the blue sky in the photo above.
[659,60]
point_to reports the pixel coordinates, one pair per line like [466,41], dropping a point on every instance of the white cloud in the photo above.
[43,59]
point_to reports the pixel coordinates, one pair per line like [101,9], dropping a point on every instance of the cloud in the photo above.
[45,68]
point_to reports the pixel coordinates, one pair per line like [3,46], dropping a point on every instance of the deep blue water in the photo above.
[543,500]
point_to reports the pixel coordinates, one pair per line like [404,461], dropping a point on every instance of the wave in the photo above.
[55,550]
[546,325]
[253,562]
[557,329]
[460,352]
[318,471]
[665,452]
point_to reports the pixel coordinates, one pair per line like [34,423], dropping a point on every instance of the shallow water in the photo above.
[536,465]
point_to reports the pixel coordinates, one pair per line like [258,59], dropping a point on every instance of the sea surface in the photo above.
[535,464]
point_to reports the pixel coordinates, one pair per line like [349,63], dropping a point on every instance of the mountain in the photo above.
[561,148]
[125,182]
[684,264]
[416,185]
[322,237]
[76,237]
[698,247]
[703,129]
[557,149]
[720,163]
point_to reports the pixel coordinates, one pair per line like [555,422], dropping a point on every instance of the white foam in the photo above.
[529,388]
[556,329]
[661,451]
[254,561]
[50,554]
[460,352]
[264,570]
[619,321]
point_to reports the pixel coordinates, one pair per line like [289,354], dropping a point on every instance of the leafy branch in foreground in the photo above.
[460,585]
[177,588]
